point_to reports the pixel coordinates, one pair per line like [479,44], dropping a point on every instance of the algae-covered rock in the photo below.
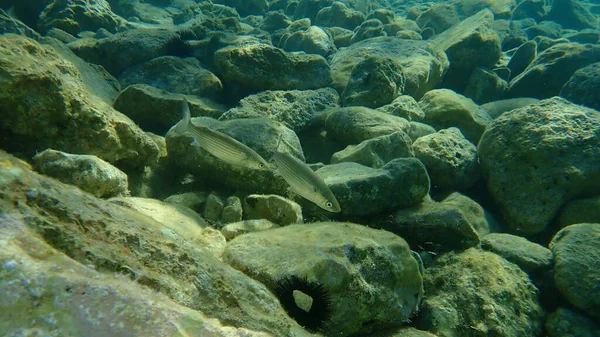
[456,222]
[112,242]
[476,293]
[352,125]
[293,108]
[175,75]
[261,66]
[565,322]
[361,190]
[45,104]
[469,44]
[404,106]
[232,230]
[536,158]
[87,172]
[274,208]
[74,16]
[579,211]
[444,108]
[422,63]
[530,256]
[377,151]
[374,82]
[44,292]
[311,40]
[576,251]
[369,274]
[339,15]
[450,159]
[157,110]
[553,67]
[584,86]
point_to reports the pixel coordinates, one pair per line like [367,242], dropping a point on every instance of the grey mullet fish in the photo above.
[219,144]
[305,182]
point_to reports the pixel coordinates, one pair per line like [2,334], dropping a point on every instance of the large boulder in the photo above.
[422,63]
[577,266]
[64,251]
[553,67]
[476,293]
[260,66]
[538,157]
[371,277]
[45,103]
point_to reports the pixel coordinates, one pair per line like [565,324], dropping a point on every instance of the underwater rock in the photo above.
[74,16]
[444,108]
[497,108]
[522,57]
[418,130]
[423,65]
[456,222]
[485,85]
[352,125]
[584,86]
[529,256]
[246,7]
[474,293]
[404,106]
[157,110]
[536,158]
[374,82]
[112,244]
[87,172]
[378,151]
[571,14]
[450,159]
[368,29]
[443,15]
[8,24]
[553,67]
[232,210]
[579,211]
[273,208]
[235,229]
[311,40]
[361,190]
[45,104]
[175,75]
[529,9]
[261,66]
[44,292]
[95,78]
[469,44]
[293,108]
[566,322]
[213,207]
[193,200]
[123,50]
[576,251]
[372,279]
[338,15]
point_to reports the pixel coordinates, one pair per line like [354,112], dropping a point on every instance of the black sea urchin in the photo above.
[313,319]
[178,45]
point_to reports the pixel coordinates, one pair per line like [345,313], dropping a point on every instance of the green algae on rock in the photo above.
[372,278]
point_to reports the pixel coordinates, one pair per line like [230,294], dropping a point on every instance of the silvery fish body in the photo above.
[219,144]
[305,182]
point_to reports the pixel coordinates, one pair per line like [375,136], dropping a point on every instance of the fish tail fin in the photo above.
[186,117]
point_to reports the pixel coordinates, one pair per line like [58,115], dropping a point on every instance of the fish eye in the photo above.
[261,165]
[329,204]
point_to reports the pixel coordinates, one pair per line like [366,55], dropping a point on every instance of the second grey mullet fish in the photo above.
[305,182]
[219,144]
